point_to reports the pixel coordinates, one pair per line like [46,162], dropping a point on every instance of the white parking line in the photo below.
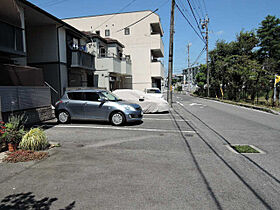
[159,114]
[180,103]
[122,128]
[164,119]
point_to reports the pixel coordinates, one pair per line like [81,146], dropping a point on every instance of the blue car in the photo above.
[96,105]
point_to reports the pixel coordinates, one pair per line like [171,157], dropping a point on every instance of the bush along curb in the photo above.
[240,104]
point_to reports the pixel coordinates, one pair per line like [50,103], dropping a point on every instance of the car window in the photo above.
[153,91]
[75,96]
[91,96]
[109,96]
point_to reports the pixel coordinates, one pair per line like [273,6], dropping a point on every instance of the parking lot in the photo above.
[102,133]
[100,166]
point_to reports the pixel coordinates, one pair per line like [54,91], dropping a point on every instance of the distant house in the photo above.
[141,33]
[113,69]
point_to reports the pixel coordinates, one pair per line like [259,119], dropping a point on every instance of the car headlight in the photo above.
[130,108]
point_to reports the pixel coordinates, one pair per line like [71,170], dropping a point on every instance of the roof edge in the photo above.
[86,16]
[51,16]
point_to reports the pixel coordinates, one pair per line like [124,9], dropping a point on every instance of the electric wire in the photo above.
[190,23]
[184,9]
[200,7]
[52,3]
[132,24]
[200,54]
[194,17]
[196,10]
[205,7]
[131,2]
[152,12]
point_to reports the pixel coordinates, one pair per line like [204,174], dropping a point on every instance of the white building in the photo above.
[112,69]
[141,34]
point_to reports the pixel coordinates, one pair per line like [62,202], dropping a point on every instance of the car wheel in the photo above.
[63,117]
[117,118]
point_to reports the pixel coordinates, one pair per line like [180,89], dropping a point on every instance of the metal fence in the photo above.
[15,98]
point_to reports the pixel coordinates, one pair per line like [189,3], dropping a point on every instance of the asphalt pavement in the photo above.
[178,160]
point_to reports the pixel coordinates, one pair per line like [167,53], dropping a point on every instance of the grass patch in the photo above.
[244,149]
[24,156]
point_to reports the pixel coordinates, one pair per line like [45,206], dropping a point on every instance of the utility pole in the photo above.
[170,61]
[205,26]
[189,73]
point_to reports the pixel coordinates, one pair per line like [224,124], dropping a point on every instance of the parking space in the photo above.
[85,130]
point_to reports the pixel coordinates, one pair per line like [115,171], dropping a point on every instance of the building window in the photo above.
[107,32]
[126,31]
[97,32]
[102,52]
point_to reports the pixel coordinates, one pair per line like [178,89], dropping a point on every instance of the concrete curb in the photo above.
[240,104]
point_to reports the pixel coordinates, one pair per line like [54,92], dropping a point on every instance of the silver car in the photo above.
[96,105]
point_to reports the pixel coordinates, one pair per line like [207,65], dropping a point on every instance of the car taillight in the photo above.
[58,102]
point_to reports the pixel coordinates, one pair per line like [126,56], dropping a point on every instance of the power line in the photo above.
[52,3]
[195,17]
[200,54]
[138,20]
[200,5]
[189,23]
[184,8]
[134,23]
[195,9]
[115,14]
[197,3]
[205,7]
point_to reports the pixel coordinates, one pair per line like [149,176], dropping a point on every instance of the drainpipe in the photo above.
[58,57]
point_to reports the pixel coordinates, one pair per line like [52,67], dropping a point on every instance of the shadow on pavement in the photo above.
[28,201]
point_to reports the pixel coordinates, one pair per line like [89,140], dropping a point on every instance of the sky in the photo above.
[227,18]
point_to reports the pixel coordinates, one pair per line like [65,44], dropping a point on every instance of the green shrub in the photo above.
[179,88]
[13,130]
[35,139]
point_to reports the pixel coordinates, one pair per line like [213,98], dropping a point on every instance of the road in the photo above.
[178,160]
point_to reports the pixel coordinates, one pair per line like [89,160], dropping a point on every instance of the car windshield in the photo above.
[109,96]
[153,91]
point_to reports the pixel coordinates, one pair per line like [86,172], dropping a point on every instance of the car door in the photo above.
[94,109]
[75,105]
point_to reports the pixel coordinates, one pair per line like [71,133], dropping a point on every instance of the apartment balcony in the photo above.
[157,47]
[11,40]
[110,64]
[157,69]
[156,28]
[82,60]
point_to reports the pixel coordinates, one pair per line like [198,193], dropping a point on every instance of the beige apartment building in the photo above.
[141,34]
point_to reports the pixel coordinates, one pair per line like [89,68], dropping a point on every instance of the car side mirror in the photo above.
[102,100]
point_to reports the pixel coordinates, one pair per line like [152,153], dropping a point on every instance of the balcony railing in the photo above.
[81,59]
[11,39]
[157,69]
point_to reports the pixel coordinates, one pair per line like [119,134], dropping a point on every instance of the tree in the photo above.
[269,53]
[269,36]
[200,79]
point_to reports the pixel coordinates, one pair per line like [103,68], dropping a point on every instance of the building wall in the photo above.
[42,44]
[138,44]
